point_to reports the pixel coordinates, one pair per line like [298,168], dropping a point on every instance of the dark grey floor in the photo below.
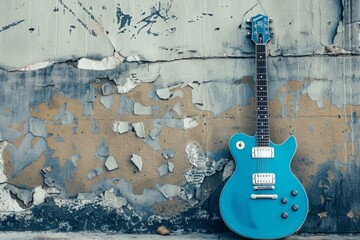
[174,236]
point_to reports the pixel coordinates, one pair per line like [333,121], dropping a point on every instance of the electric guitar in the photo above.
[262,199]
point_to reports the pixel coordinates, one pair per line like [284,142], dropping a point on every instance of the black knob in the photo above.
[295,207]
[284,200]
[294,193]
[284,215]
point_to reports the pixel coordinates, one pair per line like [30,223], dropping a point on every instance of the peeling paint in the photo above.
[139,129]
[138,162]
[111,163]
[140,109]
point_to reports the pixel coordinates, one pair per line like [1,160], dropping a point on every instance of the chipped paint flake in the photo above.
[138,162]
[104,64]
[108,89]
[163,169]
[228,170]
[36,66]
[169,190]
[111,163]
[139,129]
[203,166]
[189,123]
[111,200]
[177,108]
[171,166]
[140,109]
[3,177]
[163,93]
[130,84]
[168,153]
[94,173]
[107,101]
[120,127]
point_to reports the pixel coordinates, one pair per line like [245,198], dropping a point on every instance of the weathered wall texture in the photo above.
[116,115]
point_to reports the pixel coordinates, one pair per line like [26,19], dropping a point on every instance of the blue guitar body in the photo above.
[268,218]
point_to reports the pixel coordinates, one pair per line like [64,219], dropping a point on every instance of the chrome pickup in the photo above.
[270,187]
[263,152]
[263,178]
[264,196]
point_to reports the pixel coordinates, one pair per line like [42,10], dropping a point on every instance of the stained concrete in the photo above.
[76,74]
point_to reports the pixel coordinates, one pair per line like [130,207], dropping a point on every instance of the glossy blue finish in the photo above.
[261,219]
[260,27]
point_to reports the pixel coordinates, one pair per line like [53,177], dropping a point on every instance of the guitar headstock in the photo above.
[260,29]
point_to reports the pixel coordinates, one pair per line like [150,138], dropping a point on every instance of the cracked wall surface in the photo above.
[116,116]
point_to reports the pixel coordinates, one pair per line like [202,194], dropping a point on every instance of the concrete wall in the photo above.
[116,115]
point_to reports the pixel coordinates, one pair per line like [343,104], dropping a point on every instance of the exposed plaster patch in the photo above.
[138,162]
[104,64]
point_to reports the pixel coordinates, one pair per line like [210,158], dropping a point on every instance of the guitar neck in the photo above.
[262,104]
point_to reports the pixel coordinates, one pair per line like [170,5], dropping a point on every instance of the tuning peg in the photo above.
[248,21]
[248,34]
[272,34]
[270,28]
[270,20]
[248,27]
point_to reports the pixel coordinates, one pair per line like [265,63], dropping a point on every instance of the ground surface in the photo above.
[108,236]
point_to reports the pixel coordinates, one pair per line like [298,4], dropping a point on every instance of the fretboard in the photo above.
[262,104]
